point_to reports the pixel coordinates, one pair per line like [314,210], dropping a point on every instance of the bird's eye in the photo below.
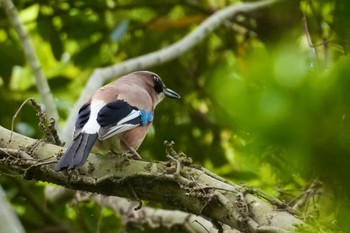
[158,84]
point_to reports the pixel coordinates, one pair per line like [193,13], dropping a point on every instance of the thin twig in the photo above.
[47,127]
[15,116]
[272,200]
[54,133]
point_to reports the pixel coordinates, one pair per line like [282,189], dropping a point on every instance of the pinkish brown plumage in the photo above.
[118,115]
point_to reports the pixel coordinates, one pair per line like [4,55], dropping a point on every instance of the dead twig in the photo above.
[47,127]
[15,116]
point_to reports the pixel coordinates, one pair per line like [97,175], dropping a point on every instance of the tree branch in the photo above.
[175,183]
[101,75]
[40,79]
[134,214]
[156,218]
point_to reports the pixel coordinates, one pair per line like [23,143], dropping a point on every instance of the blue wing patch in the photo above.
[145,117]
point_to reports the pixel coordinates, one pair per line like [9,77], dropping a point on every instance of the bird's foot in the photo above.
[133,155]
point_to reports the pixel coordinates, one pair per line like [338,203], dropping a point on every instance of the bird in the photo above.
[117,116]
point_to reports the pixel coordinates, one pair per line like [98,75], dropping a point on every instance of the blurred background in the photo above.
[265,98]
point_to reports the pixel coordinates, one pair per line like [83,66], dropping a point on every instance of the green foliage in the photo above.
[265,109]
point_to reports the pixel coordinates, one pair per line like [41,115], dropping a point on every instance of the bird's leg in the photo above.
[132,151]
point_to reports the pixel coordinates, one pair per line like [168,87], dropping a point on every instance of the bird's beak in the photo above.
[170,93]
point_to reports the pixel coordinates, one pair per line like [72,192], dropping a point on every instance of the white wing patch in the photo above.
[92,126]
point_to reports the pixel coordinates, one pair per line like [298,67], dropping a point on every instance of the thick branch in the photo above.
[101,75]
[134,214]
[154,218]
[181,186]
[40,79]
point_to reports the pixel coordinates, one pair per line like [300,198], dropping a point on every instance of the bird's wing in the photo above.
[82,119]
[117,117]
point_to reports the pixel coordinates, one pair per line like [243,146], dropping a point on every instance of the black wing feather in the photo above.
[115,111]
[83,116]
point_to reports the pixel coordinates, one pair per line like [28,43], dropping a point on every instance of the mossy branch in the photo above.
[176,183]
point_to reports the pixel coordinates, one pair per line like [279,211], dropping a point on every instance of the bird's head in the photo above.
[157,87]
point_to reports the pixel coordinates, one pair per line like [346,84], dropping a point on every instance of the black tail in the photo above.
[77,152]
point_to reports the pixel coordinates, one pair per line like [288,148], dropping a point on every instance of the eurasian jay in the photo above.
[118,115]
